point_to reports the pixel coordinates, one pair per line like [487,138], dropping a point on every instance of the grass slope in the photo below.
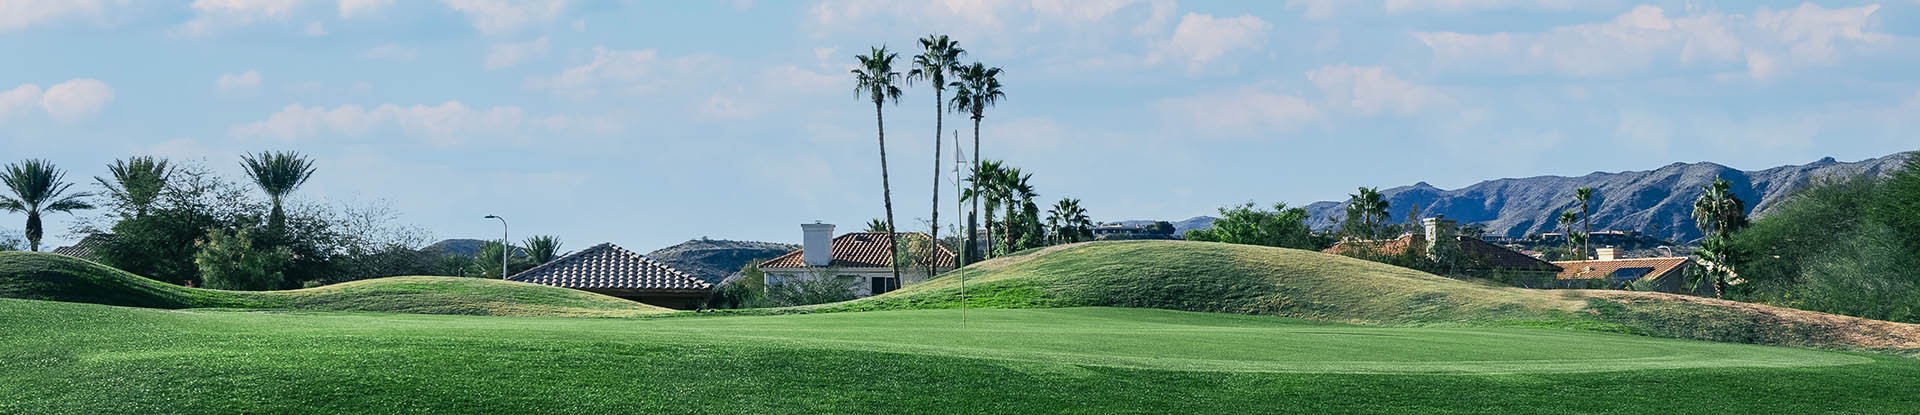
[26,275]
[1214,277]
[91,359]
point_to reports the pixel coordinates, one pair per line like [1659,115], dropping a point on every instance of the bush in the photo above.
[821,288]
[1869,275]
[232,260]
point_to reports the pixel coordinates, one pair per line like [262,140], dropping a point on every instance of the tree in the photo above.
[1567,219]
[1582,195]
[137,183]
[1897,204]
[1366,213]
[877,225]
[1718,213]
[542,249]
[1249,225]
[1069,222]
[876,77]
[985,184]
[278,174]
[1016,193]
[236,260]
[38,187]
[488,260]
[977,88]
[939,56]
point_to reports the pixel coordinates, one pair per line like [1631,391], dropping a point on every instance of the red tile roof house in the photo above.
[1665,274]
[866,257]
[611,270]
[1482,257]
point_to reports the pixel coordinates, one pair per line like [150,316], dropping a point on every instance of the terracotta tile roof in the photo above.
[84,248]
[1633,268]
[609,266]
[862,250]
[1480,254]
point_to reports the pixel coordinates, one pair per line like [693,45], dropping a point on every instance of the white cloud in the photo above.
[19,14]
[496,17]
[1763,44]
[315,29]
[1370,90]
[68,101]
[1326,9]
[236,82]
[357,8]
[502,55]
[214,14]
[796,79]
[449,124]
[625,71]
[1255,109]
[391,51]
[19,98]
[1201,39]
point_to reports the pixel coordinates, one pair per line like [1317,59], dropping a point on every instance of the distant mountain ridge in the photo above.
[1657,202]
[712,260]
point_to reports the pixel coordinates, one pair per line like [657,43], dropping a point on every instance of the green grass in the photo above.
[34,276]
[1243,279]
[89,359]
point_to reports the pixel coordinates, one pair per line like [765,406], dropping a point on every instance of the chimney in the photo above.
[1439,229]
[1606,254]
[817,246]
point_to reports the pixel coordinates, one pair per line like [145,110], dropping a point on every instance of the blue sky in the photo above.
[649,123]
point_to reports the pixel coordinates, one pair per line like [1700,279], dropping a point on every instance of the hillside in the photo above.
[712,260]
[1242,279]
[36,276]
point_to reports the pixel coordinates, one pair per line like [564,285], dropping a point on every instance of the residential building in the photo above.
[864,259]
[611,270]
[1477,256]
[1663,274]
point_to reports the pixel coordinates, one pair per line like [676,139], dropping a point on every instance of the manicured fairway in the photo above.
[81,358]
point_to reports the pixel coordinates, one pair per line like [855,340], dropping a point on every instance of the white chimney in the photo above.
[1439,230]
[1606,254]
[817,246]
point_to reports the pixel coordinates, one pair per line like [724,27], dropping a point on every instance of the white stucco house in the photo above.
[865,257]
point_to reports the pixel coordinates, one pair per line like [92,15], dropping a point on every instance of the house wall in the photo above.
[862,288]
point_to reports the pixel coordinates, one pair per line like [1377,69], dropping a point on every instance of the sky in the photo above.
[650,123]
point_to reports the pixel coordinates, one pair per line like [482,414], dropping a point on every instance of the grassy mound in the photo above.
[91,359]
[34,276]
[1213,277]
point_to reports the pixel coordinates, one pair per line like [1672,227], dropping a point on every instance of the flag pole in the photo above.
[959,206]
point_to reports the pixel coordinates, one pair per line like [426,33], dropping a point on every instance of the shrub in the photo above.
[232,260]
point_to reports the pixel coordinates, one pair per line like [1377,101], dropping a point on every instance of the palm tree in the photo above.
[278,174]
[977,88]
[877,225]
[1068,220]
[1015,193]
[1567,219]
[1718,212]
[938,57]
[1368,209]
[875,77]
[542,249]
[37,187]
[137,182]
[1583,195]
[985,185]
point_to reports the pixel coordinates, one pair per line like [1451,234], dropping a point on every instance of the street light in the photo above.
[504,249]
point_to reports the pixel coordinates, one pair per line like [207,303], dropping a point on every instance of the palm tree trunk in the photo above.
[939,113]
[34,231]
[886,194]
[1586,222]
[973,230]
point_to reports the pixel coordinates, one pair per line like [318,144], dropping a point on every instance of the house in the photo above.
[1479,256]
[614,271]
[1664,274]
[85,249]
[864,258]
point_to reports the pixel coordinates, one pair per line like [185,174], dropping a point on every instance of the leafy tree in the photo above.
[278,174]
[1898,203]
[38,187]
[1366,214]
[823,285]
[236,260]
[876,77]
[137,183]
[939,56]
[976,88]
[1161,227]
[1249,225]
[542,249]
[487,261]
[161,244]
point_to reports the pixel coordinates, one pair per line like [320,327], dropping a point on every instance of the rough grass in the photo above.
[35,276]
[1226,278]
[65,358]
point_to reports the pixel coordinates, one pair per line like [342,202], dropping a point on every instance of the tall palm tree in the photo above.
[1584,195]
[1567,219]
[876,78]
[1015,194]
[976,88]
[939,56]
[137,182]
[37,187]
[1369,209]
[278,174]
[542,249]
[1069,221]
[985,184]
[1718,212]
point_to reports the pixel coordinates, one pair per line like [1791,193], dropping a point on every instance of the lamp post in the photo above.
[505,250]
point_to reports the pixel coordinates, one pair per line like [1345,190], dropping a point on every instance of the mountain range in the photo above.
[712,260]
[1657,202]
